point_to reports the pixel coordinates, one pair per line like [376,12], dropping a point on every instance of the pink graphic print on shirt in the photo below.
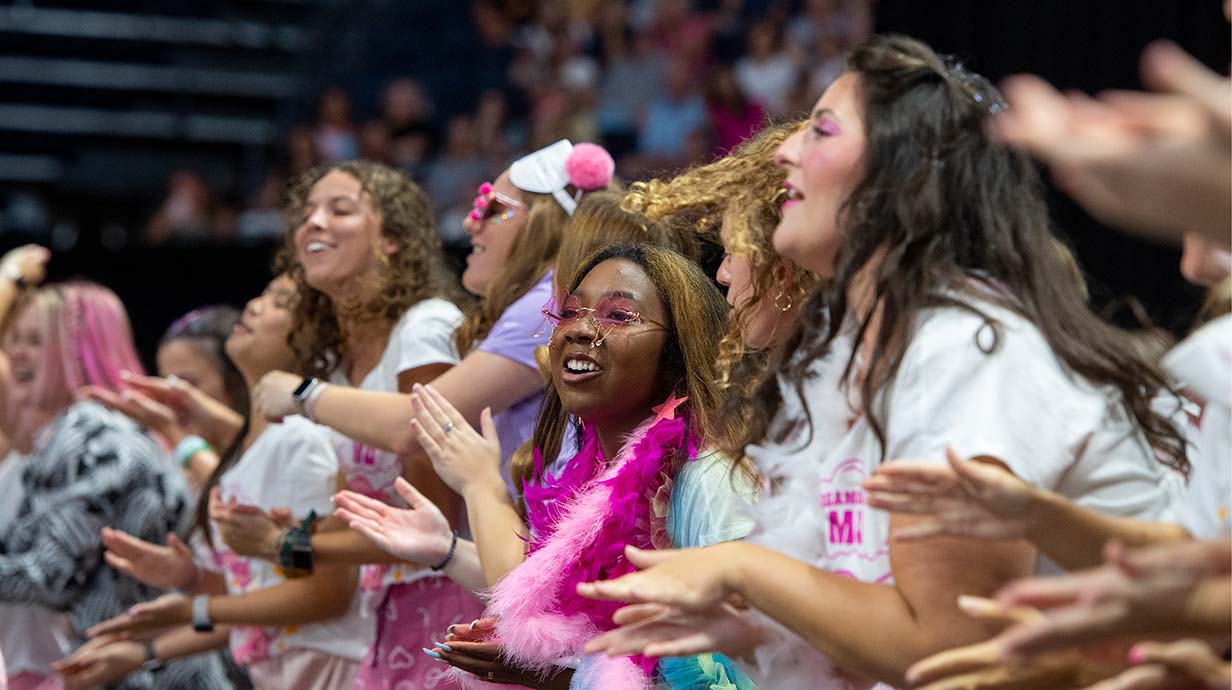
[848,535]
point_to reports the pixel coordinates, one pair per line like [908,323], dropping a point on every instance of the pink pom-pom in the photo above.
[476,215]
[485,189]
[590,166]
[480,202]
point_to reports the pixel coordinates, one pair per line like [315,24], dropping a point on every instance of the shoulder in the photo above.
[981,336]
[529,306]
[428,311]
[713,472]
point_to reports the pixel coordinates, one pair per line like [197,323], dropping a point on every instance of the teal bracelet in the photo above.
[187,448]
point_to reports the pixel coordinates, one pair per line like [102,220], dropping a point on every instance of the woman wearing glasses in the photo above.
[632,367]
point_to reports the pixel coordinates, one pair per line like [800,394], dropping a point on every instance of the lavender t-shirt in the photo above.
[515,335]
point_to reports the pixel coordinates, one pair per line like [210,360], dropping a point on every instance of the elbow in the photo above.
[338,605]
[403,442]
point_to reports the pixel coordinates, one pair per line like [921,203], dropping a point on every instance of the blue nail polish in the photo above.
[431,653]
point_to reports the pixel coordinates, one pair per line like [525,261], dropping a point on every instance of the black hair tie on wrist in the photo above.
[453,546]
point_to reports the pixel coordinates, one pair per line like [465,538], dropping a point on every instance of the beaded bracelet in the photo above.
[453,546]
[187,448]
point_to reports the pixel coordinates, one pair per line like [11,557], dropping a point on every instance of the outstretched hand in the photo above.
[164,612]
[461,457]
[1139,594]
[28,261]
[248,530]
[163,567]
[419,534]
[985,666]
[965,498]
[691,580]
[142,409]
[196,412]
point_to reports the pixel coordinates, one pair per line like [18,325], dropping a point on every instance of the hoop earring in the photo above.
[782,307]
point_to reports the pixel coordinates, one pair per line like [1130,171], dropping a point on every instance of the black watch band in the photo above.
[296,553]
[301,392]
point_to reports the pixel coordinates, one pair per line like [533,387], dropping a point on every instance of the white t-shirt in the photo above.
[422,337]
[31,636]
[1017,403]
[1202,363]
[290,465]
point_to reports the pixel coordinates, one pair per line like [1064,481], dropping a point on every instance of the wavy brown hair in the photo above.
[736,198]
[696,314]
[955,220]
[531,255]
[416,271]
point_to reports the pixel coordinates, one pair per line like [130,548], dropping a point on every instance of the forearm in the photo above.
[376,419]
[323,595]
[464,568]
[183,641]
[1074,536]
[865,628]
[220,426]
[347,546]
[497,529]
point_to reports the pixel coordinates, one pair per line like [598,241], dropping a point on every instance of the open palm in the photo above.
[164,567]
[965,498]
[419,534]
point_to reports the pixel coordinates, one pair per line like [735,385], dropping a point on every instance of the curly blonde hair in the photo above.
[416,271]
[735,199]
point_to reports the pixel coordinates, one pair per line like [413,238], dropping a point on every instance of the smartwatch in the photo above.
[151,662]
[303,390]
[201,614]
[296,552]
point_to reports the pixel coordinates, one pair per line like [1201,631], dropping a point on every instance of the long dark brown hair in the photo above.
[945,211]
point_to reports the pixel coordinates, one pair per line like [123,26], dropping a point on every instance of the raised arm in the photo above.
[984,500]
[874,630]
[382,420]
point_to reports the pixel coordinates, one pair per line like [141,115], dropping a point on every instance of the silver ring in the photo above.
[491,675]
[449,427]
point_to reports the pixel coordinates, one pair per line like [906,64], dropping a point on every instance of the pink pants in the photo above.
[410,618]
[28,680]
[303,669]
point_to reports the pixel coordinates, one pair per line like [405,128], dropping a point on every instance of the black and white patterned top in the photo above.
[93,468]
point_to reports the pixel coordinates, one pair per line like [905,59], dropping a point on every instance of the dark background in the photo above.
[1088,45]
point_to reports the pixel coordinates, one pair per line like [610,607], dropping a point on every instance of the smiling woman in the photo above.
[632,356]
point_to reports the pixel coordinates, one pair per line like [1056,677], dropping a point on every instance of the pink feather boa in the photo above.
[581,521]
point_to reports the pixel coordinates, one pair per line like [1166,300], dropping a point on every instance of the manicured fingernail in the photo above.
[449,630]
[442,646]
[473,623]
[1136,654]
[431,653]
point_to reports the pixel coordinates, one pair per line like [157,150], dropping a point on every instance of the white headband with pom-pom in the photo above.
[553,168]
